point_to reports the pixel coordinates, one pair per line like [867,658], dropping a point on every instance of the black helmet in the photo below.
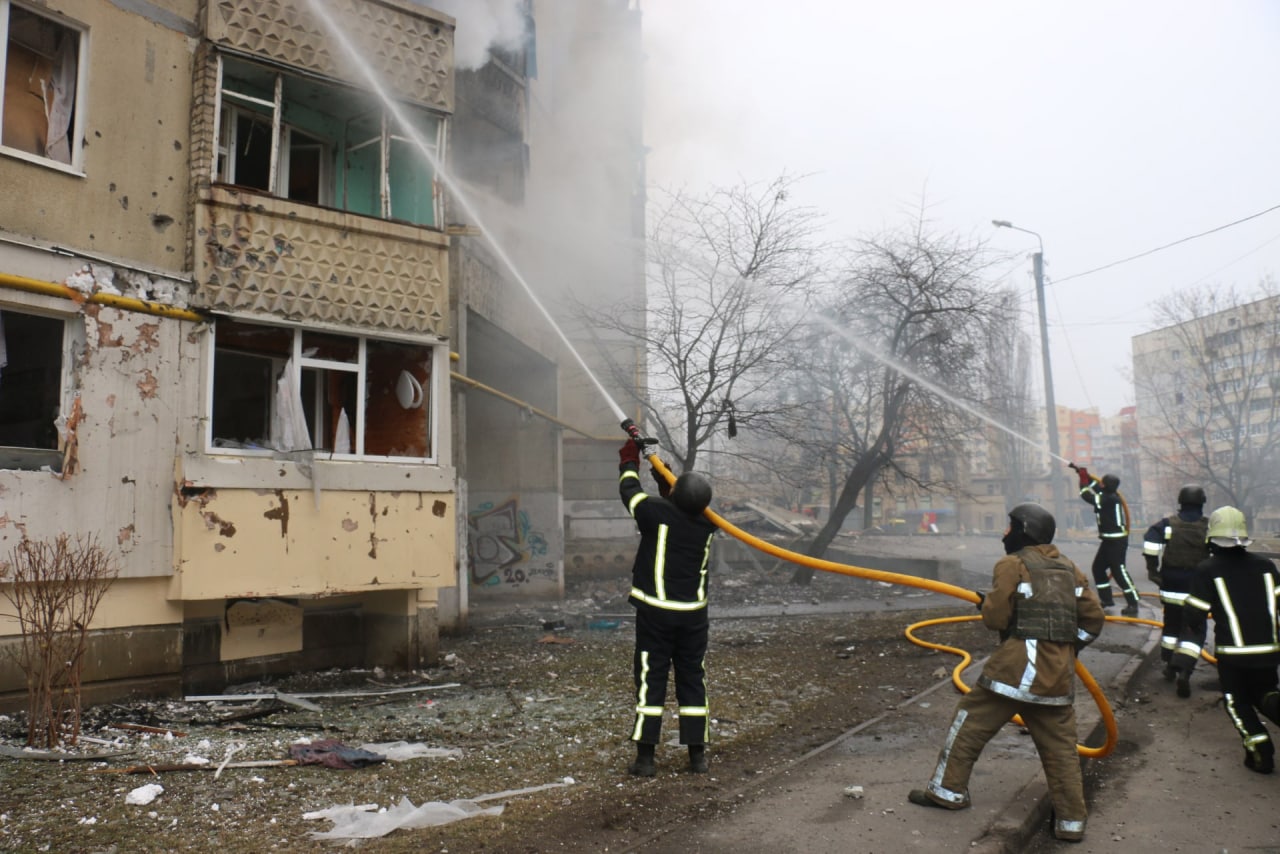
[1192,494]
[1036,521]
[692,493]
[1110,482]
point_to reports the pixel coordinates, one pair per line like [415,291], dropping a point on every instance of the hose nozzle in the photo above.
[634,432]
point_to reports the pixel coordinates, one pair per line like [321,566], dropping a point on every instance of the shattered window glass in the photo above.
[30,386]
[284,390]
[41,67]
[336,145]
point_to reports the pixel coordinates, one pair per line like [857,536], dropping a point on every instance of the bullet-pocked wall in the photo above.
[158,279]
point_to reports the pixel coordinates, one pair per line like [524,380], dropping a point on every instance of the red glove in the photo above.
[629,453]
[1085,477]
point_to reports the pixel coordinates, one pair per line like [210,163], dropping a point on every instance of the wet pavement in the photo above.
[1174,783]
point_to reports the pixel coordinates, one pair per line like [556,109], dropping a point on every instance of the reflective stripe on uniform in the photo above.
[667,604]
[690,711]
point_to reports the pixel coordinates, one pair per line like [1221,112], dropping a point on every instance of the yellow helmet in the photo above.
[1227,528]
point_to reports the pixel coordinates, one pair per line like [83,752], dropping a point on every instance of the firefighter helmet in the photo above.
[1110,482]
[692,493]
[1036,521]
[1192,494]
[1227,528]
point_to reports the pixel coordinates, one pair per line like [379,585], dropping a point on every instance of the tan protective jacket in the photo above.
[1029,669]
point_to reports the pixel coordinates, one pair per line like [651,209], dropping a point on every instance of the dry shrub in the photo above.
[55,587]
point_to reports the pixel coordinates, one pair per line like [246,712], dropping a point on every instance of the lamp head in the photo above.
[1001,223]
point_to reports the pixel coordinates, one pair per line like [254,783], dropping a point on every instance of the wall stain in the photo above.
[148,386]
[124,535]
[438,508]
[281,513]
[349,525]
[212,520]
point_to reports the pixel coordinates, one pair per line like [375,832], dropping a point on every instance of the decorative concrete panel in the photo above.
[302,263]
[408,47]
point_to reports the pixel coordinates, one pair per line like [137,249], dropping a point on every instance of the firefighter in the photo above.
[1242,592]
[669,594]
[1113,537]
[1041,605]
[1172,548]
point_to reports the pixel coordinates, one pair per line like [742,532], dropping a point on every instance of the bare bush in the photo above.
[55,587]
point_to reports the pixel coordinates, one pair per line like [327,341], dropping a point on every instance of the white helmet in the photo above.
[1227,528]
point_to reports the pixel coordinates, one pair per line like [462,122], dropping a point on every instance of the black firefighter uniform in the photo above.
[669,593]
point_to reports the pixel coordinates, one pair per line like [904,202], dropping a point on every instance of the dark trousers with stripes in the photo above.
[1110,559]
[1245,691]
[667,640]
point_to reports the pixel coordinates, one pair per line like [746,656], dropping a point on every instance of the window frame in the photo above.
[433,391]
[71,335]
[228,102]
[76,132]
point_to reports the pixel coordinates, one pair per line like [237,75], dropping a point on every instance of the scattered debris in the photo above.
[334,754]
[144,795]
[359,822]
[854,792]
[158,730]
[57,756]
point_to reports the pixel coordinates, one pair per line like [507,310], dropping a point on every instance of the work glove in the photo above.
[1085,477]
[982,597]
[629,453]
[1153,568]
[664,488]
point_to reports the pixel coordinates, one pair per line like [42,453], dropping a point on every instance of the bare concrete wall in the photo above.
[515,544]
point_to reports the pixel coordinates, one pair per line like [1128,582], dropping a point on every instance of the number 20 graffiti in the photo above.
[500,539]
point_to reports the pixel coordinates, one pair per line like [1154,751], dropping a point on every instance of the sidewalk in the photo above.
[806,807]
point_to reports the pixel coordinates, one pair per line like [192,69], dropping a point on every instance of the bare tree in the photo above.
[54,587]
[903,364]
[728,272]
[1208,395]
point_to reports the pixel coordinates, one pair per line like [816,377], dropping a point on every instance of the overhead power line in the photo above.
[1057,281]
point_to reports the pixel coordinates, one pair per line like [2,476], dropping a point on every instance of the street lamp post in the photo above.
[1055,481]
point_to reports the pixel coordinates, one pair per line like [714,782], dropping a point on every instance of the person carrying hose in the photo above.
[1041,605]
[1172,548]
[1113,536]
[669,594]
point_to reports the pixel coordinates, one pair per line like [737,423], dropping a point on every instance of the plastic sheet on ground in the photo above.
[402,751]
[357,822]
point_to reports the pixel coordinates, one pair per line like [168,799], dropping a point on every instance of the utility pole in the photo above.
[1051,416]
[1051,406]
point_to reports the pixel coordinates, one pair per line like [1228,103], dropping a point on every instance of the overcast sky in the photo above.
[1110,128]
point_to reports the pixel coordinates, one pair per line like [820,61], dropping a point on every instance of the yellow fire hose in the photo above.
[1104,708]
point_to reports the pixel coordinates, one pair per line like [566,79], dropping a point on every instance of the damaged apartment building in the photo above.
[251,345]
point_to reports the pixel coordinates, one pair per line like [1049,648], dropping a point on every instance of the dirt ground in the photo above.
[536,698]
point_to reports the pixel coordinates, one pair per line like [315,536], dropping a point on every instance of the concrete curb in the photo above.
[1023,817]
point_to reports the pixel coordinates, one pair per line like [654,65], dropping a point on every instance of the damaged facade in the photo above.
[250,346]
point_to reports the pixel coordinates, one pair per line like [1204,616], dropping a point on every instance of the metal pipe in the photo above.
[52,289]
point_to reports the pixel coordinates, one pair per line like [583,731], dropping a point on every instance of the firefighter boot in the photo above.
[1260,758]
[644,765]
[1184,683]
[1170,672]
[698,758]
[1131,607]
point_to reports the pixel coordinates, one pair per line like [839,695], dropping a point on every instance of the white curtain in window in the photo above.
[288,419]
[342,441]
[59,99]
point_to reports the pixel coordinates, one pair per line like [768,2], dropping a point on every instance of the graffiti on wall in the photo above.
[505,548]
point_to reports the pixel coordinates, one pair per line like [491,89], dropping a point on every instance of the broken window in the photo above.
[39,107]
[302,139]
[280,389]
[30,388]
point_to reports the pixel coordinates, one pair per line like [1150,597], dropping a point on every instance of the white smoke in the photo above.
[482,25]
